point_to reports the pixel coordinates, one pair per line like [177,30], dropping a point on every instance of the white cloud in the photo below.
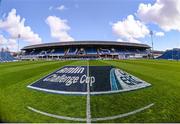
[3,40]
[160,34]
[12,44]
[8,43]
[14,25]
[131,40]
[61,7]
[165,13]
[59,28]
[130,29]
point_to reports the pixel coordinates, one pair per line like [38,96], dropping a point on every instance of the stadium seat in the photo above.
[6,57]
[173,54]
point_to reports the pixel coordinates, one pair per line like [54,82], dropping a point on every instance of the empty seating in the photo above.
[171,54]
[72,51]
[6,57]
[104,51]
[81,51]
[91,51]
[58,52]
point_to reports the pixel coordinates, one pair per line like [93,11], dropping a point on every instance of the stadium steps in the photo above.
[173,54]
[6,57]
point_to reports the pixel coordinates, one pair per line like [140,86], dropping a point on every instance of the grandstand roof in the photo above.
[86,43]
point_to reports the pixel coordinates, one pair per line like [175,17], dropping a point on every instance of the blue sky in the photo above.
[87,20]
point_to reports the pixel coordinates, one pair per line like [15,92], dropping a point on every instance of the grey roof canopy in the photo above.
[86,43]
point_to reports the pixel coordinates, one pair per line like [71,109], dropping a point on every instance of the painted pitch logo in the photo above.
[89,80]
[70,75]
[102,80]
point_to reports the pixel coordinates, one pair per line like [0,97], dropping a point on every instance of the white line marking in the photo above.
[88,102]
[82,93]
[123,115]
[92,119]
[56,91]
[56,116]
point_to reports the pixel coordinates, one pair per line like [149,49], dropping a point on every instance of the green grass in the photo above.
[164,92]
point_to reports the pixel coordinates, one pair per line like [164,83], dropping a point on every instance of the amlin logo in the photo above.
[102,80]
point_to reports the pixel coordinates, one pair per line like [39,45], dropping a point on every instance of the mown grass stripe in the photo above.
[164,92]
[123,115]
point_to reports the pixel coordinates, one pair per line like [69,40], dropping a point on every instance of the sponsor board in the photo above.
[101,79]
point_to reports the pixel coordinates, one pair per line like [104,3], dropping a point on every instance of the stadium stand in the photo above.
[86,50]
[81,51]
[59,52]
[173,54]
[72,51]
[91,51]
[6,57]
[104,51]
